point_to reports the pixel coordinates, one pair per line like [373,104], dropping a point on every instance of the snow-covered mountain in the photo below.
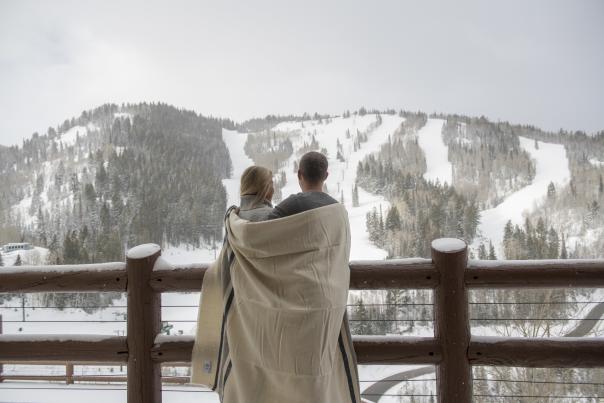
[120,175]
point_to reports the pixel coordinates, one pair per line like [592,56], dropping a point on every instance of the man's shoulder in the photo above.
[291,199]
[320,198]
[301,202]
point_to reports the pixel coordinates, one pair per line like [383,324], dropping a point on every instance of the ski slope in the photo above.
[551,165]
[235,143]
[430,140]
[343,174]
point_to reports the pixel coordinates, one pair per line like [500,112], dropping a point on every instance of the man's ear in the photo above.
[326,175]
[299,174]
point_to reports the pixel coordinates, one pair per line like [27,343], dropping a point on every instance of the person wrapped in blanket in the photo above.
[266,376]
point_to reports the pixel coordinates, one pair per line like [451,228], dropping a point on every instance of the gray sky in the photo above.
[538,62]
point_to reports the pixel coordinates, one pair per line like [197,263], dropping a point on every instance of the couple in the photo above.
[272,325]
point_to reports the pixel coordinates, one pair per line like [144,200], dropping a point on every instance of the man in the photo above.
[312,173]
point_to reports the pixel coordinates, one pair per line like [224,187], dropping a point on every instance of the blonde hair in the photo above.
[258,181]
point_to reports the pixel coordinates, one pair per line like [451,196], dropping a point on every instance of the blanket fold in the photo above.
[272,323]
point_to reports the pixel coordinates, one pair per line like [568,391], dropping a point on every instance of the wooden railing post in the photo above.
[68,373]
[451,322]
[144,323]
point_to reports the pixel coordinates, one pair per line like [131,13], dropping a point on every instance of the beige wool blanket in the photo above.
[272,324]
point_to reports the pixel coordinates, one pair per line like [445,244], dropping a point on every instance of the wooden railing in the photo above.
[452,349]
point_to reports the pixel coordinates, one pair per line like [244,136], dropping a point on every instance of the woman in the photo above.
[256,192]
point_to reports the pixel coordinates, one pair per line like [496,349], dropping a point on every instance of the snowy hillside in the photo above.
[552,166]
[430,139]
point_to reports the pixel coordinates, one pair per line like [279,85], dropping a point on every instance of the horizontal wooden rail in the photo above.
[81,348]
[85,277]
[391,274]
[364,275]
[369,349]
[535,273]
[386,350]
[563,352]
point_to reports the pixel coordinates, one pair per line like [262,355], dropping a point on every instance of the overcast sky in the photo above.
[538,62]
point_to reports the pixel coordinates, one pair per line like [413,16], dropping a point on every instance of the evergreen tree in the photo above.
[482,252]
[18,261]
[554,244]
[1,261]
[355,196]
[551,191]
[393,219]
[359,323]
[563,251]
[492,254]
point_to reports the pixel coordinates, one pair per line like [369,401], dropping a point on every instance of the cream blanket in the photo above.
[272,324]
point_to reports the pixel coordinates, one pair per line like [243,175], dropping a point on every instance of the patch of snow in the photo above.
[143,251]
[70,136]
[31,257]
[65,268]
[431,142]
[186,254]
[293,125]
[235,142]
[551,165]
[596,162]
[95,338]
[448,245]
[28,392]
[122,115]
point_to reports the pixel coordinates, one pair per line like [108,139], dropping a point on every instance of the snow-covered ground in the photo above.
[31,257]
[186,254]
[28,392]
[431,142]
[551,165]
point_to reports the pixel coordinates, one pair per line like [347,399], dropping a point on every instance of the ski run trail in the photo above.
[430,140]
[551,165]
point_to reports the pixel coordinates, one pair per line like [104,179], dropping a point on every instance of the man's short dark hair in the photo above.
[313,167]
